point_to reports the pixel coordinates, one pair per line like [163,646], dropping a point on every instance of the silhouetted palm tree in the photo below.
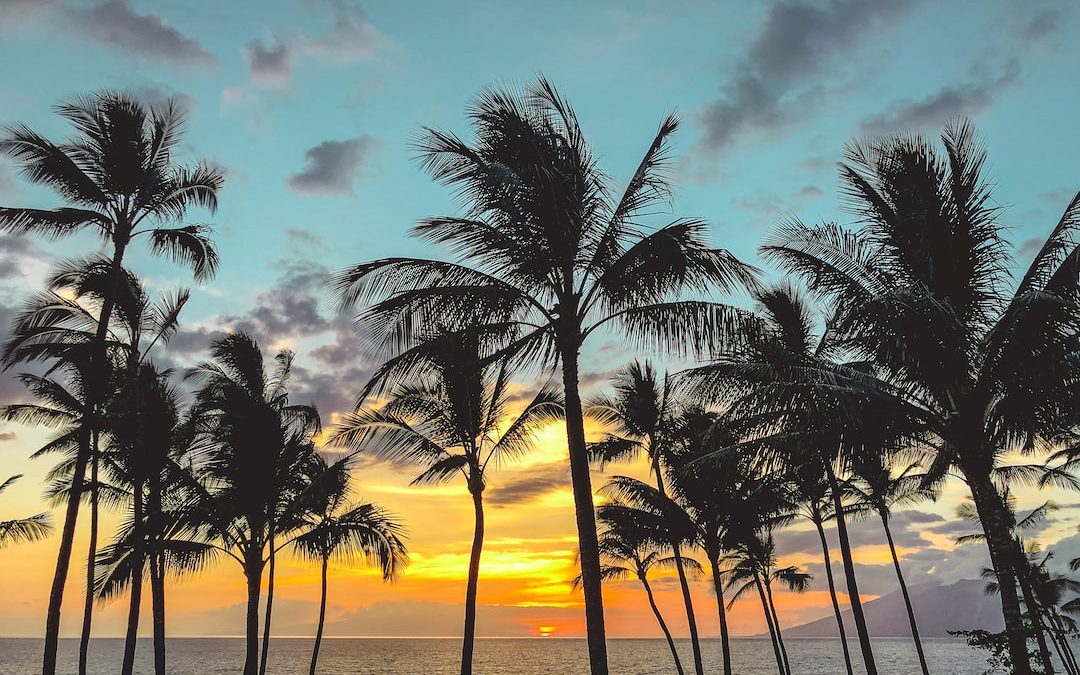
[795,406]
[450,412]
[19,530]
[878,490]
[334,529]
[642,418]
[812,491]
[120,182]
[755,568]
[545,247]
[921,289]
[248,445]
[628,551]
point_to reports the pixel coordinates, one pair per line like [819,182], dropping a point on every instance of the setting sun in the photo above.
[545,631]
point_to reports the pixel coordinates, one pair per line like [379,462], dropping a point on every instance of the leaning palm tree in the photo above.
[334,529]
[628,551]
[812,491]
[545,247]
[755,568]
[249,443]
[642,418]
[878,489]
[923,289]
[452,415]
[119,180]
[793,404]
[19,530]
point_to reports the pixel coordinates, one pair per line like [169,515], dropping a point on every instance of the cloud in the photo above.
[114,24]
[269,64]
[351,37]
[333,166]
[905,526]
[810,192]
[1045,23]
[779,78]
[8,186]
[8,436]
[932,111]
[528,484]
[15,12]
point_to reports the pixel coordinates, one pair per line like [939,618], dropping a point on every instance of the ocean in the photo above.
[495,656]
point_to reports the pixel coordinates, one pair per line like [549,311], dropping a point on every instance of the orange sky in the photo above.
[528,559]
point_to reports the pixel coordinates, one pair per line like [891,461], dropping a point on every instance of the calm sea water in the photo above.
[529,656]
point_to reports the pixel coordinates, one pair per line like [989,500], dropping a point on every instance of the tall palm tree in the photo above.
[547,248]
[119,181]
[718,495]
[642,418]
[813,494]
[922,290]
[249,443]
[755,568]
[451,413]
[878,489]
[794,405]
[334,529]
[628,551]
[19,530]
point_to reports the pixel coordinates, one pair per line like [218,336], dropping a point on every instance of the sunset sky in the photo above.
[310,106]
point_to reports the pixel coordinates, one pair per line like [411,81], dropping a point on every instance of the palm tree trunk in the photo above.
[688,601]
[996,524]
[269,606]
[1034,608]
[772,629]
[849,574]
[718,587]
[157,570]
[63,558]
[322,616]
[253,574]
[663,624]
[588,548]
[691,619]
[91,559]
[469,637]
[82,457]
[157,599]
[841,631]
[904,592]
[776,620]
[131,637]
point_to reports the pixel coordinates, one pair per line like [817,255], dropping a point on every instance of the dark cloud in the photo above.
[350,38]
[1045,23]
[779,78]
[115,24]
[15,12]
[1029,247]
[301,238]
[158,95]
[8,436]
[528,484]
[810,192]
[333,166]
[931,112]
[269,63]
[290,308]
[15,253]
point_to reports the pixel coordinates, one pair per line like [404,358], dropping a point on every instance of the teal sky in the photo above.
[310,105]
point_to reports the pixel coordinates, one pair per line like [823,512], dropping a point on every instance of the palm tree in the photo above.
[755,568]
[717,495]
[546,248]
[813,494]
[642,417]
[337,530]
[249,443]
[921,290]
[120,182]
[794,405]
[19,530]
[628,551]
[450,413]
[878,489]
